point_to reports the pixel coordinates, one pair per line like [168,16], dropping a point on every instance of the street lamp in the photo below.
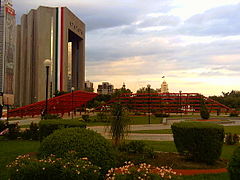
[47,64]
[72,89]
[149,110]
[180,102]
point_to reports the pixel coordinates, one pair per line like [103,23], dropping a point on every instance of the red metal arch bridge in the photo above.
[57,105]
[135,102]
[167,103]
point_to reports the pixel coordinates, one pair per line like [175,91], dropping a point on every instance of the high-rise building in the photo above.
[105,88]
[7,50]
[55,34]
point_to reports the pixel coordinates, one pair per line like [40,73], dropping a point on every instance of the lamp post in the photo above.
[72,89]
[47,64]
[149,110]
[180,102]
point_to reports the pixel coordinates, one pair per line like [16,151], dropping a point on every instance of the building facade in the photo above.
[105,88]
[49,33]
[7,51]
[88,86]
[164,87]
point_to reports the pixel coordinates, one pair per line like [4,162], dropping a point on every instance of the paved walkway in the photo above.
[139,136]
[133,136]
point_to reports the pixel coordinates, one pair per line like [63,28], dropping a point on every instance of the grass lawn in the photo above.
[9,150]
[169,146]
[228,129]
[232,129]
[159,131]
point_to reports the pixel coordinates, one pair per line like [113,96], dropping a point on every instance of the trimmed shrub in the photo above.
[234,165]
[32,133]
[161,115]
[102,117]
[136,147]
[204,112]
[13,131]
[46,127]
[2,125]
[52,168]
[233,114]
[199,141]
[231,139]
[85,142]
[86,118]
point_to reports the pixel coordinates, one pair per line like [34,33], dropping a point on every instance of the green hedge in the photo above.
[199,141]
[46,127]
[85,142]
[234,165]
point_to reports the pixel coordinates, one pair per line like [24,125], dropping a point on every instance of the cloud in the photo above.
[101,14]
[221,21]
[166,20]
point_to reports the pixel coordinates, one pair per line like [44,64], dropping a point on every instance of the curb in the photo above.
[199,171]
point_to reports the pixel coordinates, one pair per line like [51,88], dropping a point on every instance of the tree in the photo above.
[145,90]
[119,123]
[230,99]
[204,111]
[119,92]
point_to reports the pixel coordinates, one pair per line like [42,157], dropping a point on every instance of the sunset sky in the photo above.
[194,44]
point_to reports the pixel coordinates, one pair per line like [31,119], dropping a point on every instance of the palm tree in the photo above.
[119,123]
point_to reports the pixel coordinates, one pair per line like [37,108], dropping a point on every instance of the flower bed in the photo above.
[141,171]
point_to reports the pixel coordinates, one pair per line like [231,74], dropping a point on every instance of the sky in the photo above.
[194,44]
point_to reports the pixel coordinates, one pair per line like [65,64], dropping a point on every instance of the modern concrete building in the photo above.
[49,33]
[7,51]
[105,88]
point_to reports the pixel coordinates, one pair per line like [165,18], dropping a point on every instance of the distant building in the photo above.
[105,88]
[88,86]
[164,87]
[7,50]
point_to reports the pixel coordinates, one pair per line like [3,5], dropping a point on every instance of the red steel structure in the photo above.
[167,103]
[57,105]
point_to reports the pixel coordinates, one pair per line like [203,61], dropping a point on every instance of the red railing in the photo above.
[57,105]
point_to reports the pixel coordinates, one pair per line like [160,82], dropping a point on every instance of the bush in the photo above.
[204,112]
[102,117]
[233,114]
[199,141]
[85,142]
[46,127]
[231,139]
[136,147]
[32,133]
[86,118]
[161,115]
[234,165]
[52,168]
[13,131]
[2,125]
